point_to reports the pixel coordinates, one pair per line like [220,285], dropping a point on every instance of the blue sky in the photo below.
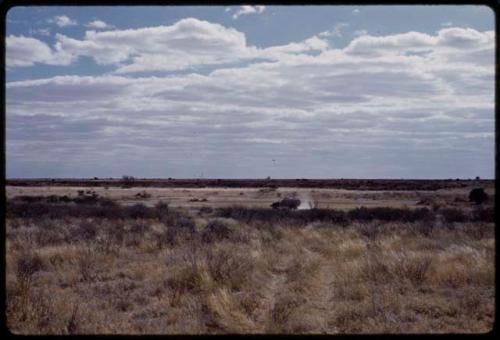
[250,91]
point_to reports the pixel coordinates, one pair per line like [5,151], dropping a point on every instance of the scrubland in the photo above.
[92,266]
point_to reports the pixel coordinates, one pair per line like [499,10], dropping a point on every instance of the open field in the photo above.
[325,198]
[218,260]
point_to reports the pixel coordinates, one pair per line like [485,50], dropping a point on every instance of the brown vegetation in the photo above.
[351,184]
[87,265]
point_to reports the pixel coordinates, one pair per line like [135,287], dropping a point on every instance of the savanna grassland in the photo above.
[147,260]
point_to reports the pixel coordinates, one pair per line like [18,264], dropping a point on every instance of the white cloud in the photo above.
[336,31]
[98,24]
[287,51]
[381,101]
[189,42]
[41,31]
[24,51]
[185,44]
[355,11]
[358,33]
[244,10]
[63,21]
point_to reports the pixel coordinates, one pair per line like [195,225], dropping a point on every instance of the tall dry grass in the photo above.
[179,273]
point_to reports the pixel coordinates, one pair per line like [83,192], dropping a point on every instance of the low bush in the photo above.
[206,210]
[337,217]
[139,227]
[50,236]
[28,264]
[161,208]
[478,196]
[180,228]
[390,214]
[454,215]
[75,208]
[216,230]
[87,231]
[139,210]
[414,269]
[186,223]
[484,215]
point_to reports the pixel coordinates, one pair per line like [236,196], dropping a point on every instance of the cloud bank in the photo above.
[407,105]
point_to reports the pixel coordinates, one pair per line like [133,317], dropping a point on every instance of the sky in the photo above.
[250,92]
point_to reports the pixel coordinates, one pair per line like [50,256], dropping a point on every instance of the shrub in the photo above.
[86,231]
[139,227]
[454,215]
[231,267]
[26,210]
[161,208]
[216,230]
[29,199]
[286,203]
[193,277]
[162,239]
[484,215]
[86,199]
[478,196]
[139,210]
[107,202]
[185,223]
[206,210]
[299,217]
[28,264]
[424,228]
[182,227]
[369,231]
[50,236]
[390,214]
[116,233]
[143,194]
[414,269]
[476,231]
[86,264]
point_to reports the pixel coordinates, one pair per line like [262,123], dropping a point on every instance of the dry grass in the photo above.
[197,274]
[261,197]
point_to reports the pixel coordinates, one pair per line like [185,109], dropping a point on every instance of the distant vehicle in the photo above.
[286,203]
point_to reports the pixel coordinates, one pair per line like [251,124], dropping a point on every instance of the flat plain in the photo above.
[127,259]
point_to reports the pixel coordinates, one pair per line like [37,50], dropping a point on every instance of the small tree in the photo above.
[478,196]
